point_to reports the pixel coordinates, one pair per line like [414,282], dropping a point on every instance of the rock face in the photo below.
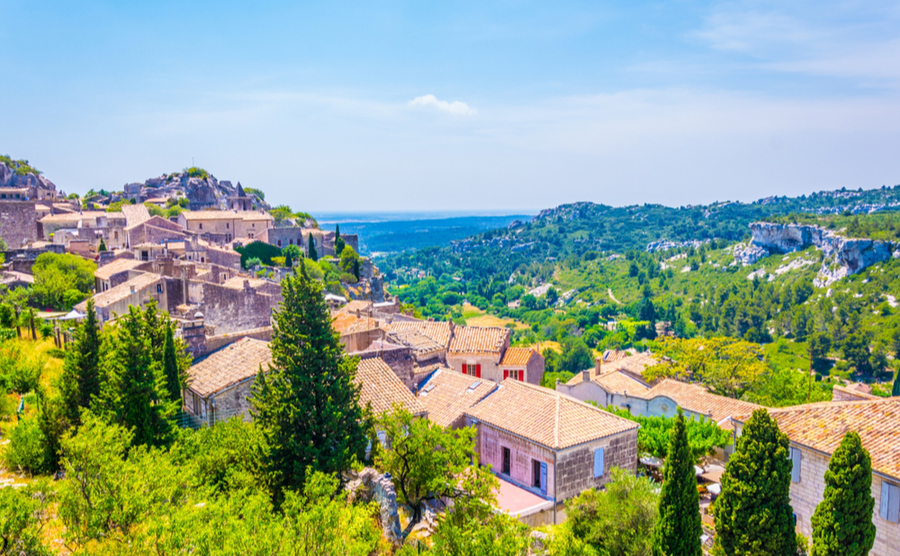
[201,193]
[39,186]
[843,256]
[369,486]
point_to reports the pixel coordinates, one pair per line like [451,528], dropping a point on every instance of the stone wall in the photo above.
[399,359]
[232,310]
[490,444]
[18,222]
[575,466]
[232,401]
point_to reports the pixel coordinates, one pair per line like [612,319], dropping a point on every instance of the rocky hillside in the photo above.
[19,173]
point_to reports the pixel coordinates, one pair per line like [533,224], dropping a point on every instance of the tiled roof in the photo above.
[237,282]
[620,382]
[546,416]
[822,426]
[225,215]
[478,339]
[423,336]
[123,290]
[360,305]
[135,214]
[229,365]
[346,323]
[517,357]
[383,389]
[697,399]
[76,216]
[614,360]
[448,394]
[116,266]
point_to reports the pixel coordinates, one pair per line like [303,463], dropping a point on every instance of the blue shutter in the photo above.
[598,462]
[796,457]
[544,478]
[894,504]
[885,499]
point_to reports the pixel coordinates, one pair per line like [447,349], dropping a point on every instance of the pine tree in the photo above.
[313,254]
[842,523]
[338,241]
[133,392]
[678,529]
[308,402]
[102,246]
[80,379]
[170,367]
[753,513]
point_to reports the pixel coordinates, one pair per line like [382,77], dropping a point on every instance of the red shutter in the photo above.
[464,369]
[521,376]
[505,374]
[478,371]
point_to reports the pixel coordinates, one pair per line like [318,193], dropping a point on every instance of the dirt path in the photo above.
[611,296]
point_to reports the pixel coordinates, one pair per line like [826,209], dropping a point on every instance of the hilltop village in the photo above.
[208,297]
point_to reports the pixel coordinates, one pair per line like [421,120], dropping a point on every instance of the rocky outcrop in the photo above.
[202,192]
[39,186]
[371,486]
[843,256]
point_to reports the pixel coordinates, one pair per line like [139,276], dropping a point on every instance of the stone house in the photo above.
[223,226]
[138,290]
[90,225]
[550,444]
[427,340]
[357,333]
[447,395]
[522,364]
[219,384]
[816,430]
[19,222]
[478,351]
[155,229]
[117,271]
[383,390]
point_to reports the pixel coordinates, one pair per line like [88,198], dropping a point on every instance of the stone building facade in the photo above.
[18,222]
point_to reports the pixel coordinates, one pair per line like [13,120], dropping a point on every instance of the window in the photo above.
[515,374]
[158,288]
[890,502]
[291,241]
[279,243]
[473,370]
[599,461]
[507,461]
[535,473]
[796,457]
[201,225]
[227,225]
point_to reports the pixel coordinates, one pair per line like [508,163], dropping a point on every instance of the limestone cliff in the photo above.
[843,256]
[18,174]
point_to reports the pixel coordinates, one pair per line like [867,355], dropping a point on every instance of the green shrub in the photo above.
[22,372]
[27,450]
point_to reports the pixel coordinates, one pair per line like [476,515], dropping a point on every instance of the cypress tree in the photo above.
[313,255]
[79,382]
[307,405]
[133,392]
[842,523]
[753,513]
[102,246]
[895,391]
[288,259]
[678,529]
[170,367]
[338,241]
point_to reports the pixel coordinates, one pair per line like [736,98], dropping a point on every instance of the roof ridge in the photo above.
[556,424]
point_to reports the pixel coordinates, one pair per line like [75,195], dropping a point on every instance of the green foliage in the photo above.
[195,172]
[753,513]
[79,382]
[307,404]
[20,368]
[55,274]
[23,514]
[678,529]
[254,191]
[350,261]
[655,434]
[28,450]
[842,523]
[311,248]
[423,458]
[258,250]
[895,391]
[19,167]
[133,387]
[175,371]
[619,519]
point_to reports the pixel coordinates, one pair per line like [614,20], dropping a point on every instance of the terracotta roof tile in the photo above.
[345,323]
[361,305]
[855,392]
[116,266]
[422,336]
[621,382]
[822,426]
[448,394]
[228,366]
[546,416]
[123,290]
[619,360]
[517,357]
[383,389]
[478,339]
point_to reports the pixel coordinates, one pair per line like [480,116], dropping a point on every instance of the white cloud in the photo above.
[456,107]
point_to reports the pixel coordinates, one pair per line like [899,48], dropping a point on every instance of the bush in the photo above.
[27,450]
[22,373]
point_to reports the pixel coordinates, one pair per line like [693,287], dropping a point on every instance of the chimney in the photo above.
[586,375]
[598,364]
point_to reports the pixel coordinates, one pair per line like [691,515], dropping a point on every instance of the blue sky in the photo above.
[458,105]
